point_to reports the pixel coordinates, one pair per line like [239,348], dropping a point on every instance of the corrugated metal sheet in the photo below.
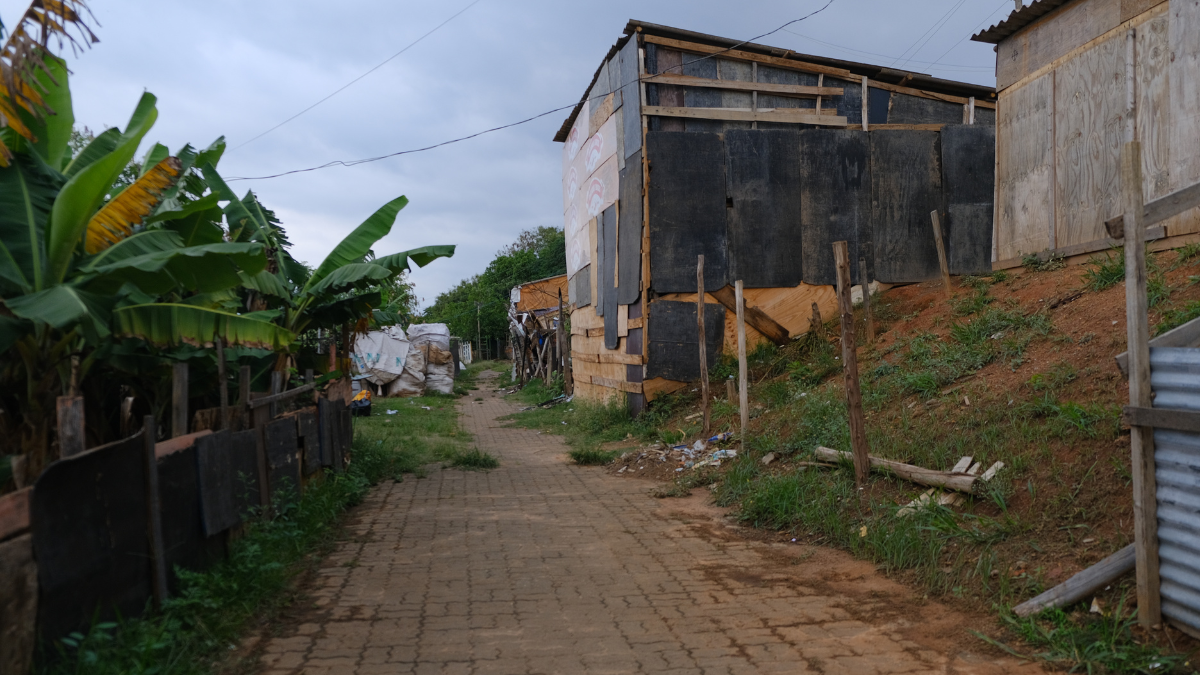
[1175,379]
[1018,20]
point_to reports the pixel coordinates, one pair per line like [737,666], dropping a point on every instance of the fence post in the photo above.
[71,427]
[179,399]
[743,386]
[703,345]
[941,250]
[221,377]
[1141,439]
[276,388]
[158,562]
[858,430]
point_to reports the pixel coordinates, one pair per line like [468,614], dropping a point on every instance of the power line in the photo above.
[889,56]
[345,86]
[929,34]
[355,162]
[973,31]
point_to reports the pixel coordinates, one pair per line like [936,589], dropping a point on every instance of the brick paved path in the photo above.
[544,567]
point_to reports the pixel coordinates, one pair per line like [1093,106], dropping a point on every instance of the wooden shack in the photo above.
[758,158]
[1061,72]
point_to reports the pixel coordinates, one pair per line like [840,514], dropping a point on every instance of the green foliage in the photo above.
[1175,317]
[593,456]
[474,459]
[1044,262]
[537,254]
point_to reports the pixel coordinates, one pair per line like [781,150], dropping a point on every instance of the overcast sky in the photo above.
[236,69]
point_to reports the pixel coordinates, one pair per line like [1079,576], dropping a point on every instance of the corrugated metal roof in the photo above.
[875,72]
[1018,20]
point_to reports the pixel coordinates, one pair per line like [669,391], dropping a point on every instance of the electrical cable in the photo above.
[348,84]
[929,34]
[355,162]
[888,56]
[973,31]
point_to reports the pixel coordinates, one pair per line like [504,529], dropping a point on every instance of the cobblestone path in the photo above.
[541,566]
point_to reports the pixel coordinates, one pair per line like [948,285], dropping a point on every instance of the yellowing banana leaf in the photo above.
[172,324]
[116,220]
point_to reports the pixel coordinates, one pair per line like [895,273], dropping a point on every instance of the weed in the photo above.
[973,303]
[682,486]
[1173,318]
[975,283]
[1061,374]
[474,459]
[1047,261]
[1187,253]
[1105,272]
[593,457]
[999,277]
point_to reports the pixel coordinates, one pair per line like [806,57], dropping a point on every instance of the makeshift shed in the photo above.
[533,325]
[1061,73]
[758,158]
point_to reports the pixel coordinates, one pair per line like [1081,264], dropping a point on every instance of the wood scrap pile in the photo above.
[963,478]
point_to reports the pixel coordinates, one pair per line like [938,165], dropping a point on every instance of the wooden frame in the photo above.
[786,115]
[790,90]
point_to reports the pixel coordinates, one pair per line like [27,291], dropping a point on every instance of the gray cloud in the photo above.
[238,68]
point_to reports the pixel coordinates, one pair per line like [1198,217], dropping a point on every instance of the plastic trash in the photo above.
[392,412]
[724,454]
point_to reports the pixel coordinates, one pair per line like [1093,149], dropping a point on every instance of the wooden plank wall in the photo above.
[1061,124]
[583,321]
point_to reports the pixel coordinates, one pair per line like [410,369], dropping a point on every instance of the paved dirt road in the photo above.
[545,567]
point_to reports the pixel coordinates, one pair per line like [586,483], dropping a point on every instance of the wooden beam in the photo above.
[865,282]
[962,482]
[941,251]
[866,104]
[223,390]
[858,422]
[179,399]
[628,387]
[743,386]
[1141,439]
[71,425]
[1083,584]
[786,116]
[637,323]
[704,404]
[907,127]
[1152,234]
[791,90]
[1159,210]
[738,54]
[609,357]
[762,322]
[158,557]
[1161,418]
[280,397]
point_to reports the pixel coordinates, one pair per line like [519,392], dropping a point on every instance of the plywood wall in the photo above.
[1060,129]
[790,307]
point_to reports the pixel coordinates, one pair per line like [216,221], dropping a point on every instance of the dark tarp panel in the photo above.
[347,435]
[763,185]
[217,475]
[599,263]
[185,543]
[908,109]
[244,479]
[968,176]
[907,186]
[606,274]
[878,107]
[674,341]
[835,204]
[580,287]
[310,436]
[630,93]
[701,97]
[849,104]
[330,423]
[283,456]
[687,210]
[985,116]
[88,515]
[629,235]
[614,79]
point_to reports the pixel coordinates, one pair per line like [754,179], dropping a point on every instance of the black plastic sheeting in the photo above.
[605,277]
[674,340]
[687,210]
[89,519]
[227,475]
[835,180]
[283,457]
[185,542]
[908,109]
[308,429]
[580,287]
[968,173]
[629,236]
[906,187]
[763,208]
[878,107]
[631,121]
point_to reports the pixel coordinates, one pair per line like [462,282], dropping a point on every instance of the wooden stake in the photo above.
[866,289]
[866,103]
[71,426]
[1141,439]
[816,324]
[276,388]
[154,535]
[221,377]
[858,425]
[244,386]
[703,344]
[941,250]
[743,386]
[179,399]
[730,390]
[568,373]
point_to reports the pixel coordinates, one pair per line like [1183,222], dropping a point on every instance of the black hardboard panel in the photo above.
[328,422]
[599,263]
[835,201]
[674,340]
[88,515]
[701,97]
[763,186]
[347,429]
[243,454]
[630,94]
[629,234]
[607,275]
[185,543]
[217,479]
[985,116]
[849,104]
[614,79]
[907,186]
[310,435]
[968,181]
[283,456]
[580,286]
[879,105]
[907,109]
[687,210]
[601,87]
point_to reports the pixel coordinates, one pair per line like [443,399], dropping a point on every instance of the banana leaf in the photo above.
[157,153]
[53,131]
[27,190]
[354,275]
[356,245]
[265,282]
[142,243]
[172,324]
[205,269]
[104,143]
[339,312]
[85,191]
[398,262]
[65,307]
[11,330]
[117,218]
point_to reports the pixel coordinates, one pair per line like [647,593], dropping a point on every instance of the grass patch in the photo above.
[1046,262]
[475,460]
[1173,318]
[593,457]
